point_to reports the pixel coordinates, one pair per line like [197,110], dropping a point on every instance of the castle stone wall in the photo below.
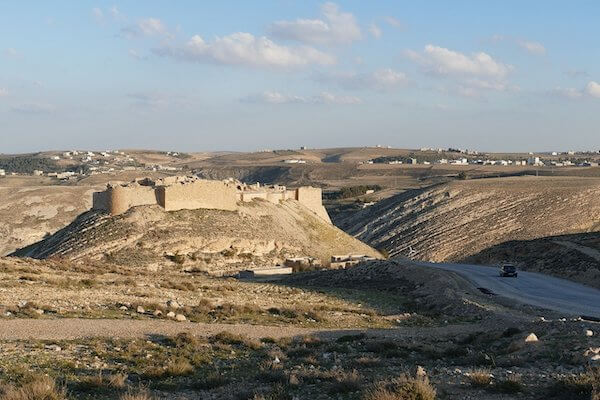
[100,201]
[122,198]
[190,193]
[311,198]
[199,194]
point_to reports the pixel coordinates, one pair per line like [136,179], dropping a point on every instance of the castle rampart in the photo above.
[190,193]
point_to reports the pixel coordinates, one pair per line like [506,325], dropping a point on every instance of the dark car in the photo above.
[507,270]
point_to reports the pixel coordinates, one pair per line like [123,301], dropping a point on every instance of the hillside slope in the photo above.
[30,213]
[259,234]
[455,220]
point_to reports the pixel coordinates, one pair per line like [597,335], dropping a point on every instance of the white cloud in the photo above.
[442,61]
[135,54]
[388,77]
[375,31]
[322,98]
[116,13]
[395,22]
[147,27]
[532,47]
[12,53]
[593,89]
[3,92]
[98,13]
[336,27]
[152,26]
[382,79]
[329,98]
[33,108]
[158,100]
[577,73]
[570,93]
[246,49]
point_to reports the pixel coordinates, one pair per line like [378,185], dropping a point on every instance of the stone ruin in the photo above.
[191,193]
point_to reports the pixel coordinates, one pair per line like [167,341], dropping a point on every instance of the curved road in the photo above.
[531,288]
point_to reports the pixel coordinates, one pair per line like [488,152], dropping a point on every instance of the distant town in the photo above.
[74,164]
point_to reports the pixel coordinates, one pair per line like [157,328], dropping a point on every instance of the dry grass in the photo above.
[345,382]
[402,388]
[232,339]
[38,388]
[480,378]
[139,395]
[582,386]
[512,384]
[173,368]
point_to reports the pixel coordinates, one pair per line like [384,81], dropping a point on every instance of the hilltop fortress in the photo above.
[191,193]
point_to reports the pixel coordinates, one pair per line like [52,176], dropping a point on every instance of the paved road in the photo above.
[531,288]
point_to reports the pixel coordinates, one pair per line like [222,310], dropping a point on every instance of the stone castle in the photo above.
[191,193]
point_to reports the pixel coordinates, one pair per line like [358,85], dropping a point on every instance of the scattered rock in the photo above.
[53,347]
[276,360]
[531,338]
[22,303]
[420,372]
[180,317]
[123,308]
[171,314]
[140,309]
[157,313]
[293,380]
[39,311]
[173,304]
[588,332]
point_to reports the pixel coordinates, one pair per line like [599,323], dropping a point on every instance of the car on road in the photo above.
[507,270]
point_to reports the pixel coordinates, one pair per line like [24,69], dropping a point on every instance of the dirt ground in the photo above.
[317,335]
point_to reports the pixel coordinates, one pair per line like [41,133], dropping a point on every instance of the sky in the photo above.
[243,76]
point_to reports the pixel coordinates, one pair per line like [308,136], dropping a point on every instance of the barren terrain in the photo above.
[443,336]
[258,234]
[454,221]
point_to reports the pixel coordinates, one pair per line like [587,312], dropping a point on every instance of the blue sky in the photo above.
[237,75]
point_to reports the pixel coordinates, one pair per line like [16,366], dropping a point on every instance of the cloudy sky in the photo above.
[240,75]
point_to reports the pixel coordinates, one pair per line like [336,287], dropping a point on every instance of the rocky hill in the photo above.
[455,220]
[28,214]
[259,234]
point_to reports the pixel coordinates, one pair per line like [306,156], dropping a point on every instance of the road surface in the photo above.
[531,288]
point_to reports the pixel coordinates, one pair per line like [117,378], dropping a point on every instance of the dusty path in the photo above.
[74,328]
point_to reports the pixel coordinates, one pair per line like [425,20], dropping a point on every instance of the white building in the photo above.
[2,172]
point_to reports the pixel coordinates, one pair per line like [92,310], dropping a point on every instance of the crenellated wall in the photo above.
[190,193]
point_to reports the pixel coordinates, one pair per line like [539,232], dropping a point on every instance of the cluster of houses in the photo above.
[100,162]
[531,161]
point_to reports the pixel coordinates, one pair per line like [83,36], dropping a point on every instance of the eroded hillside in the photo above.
[30,213]
[259,234]
[455,220]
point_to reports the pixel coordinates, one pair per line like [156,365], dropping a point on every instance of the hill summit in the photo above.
[257,233]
